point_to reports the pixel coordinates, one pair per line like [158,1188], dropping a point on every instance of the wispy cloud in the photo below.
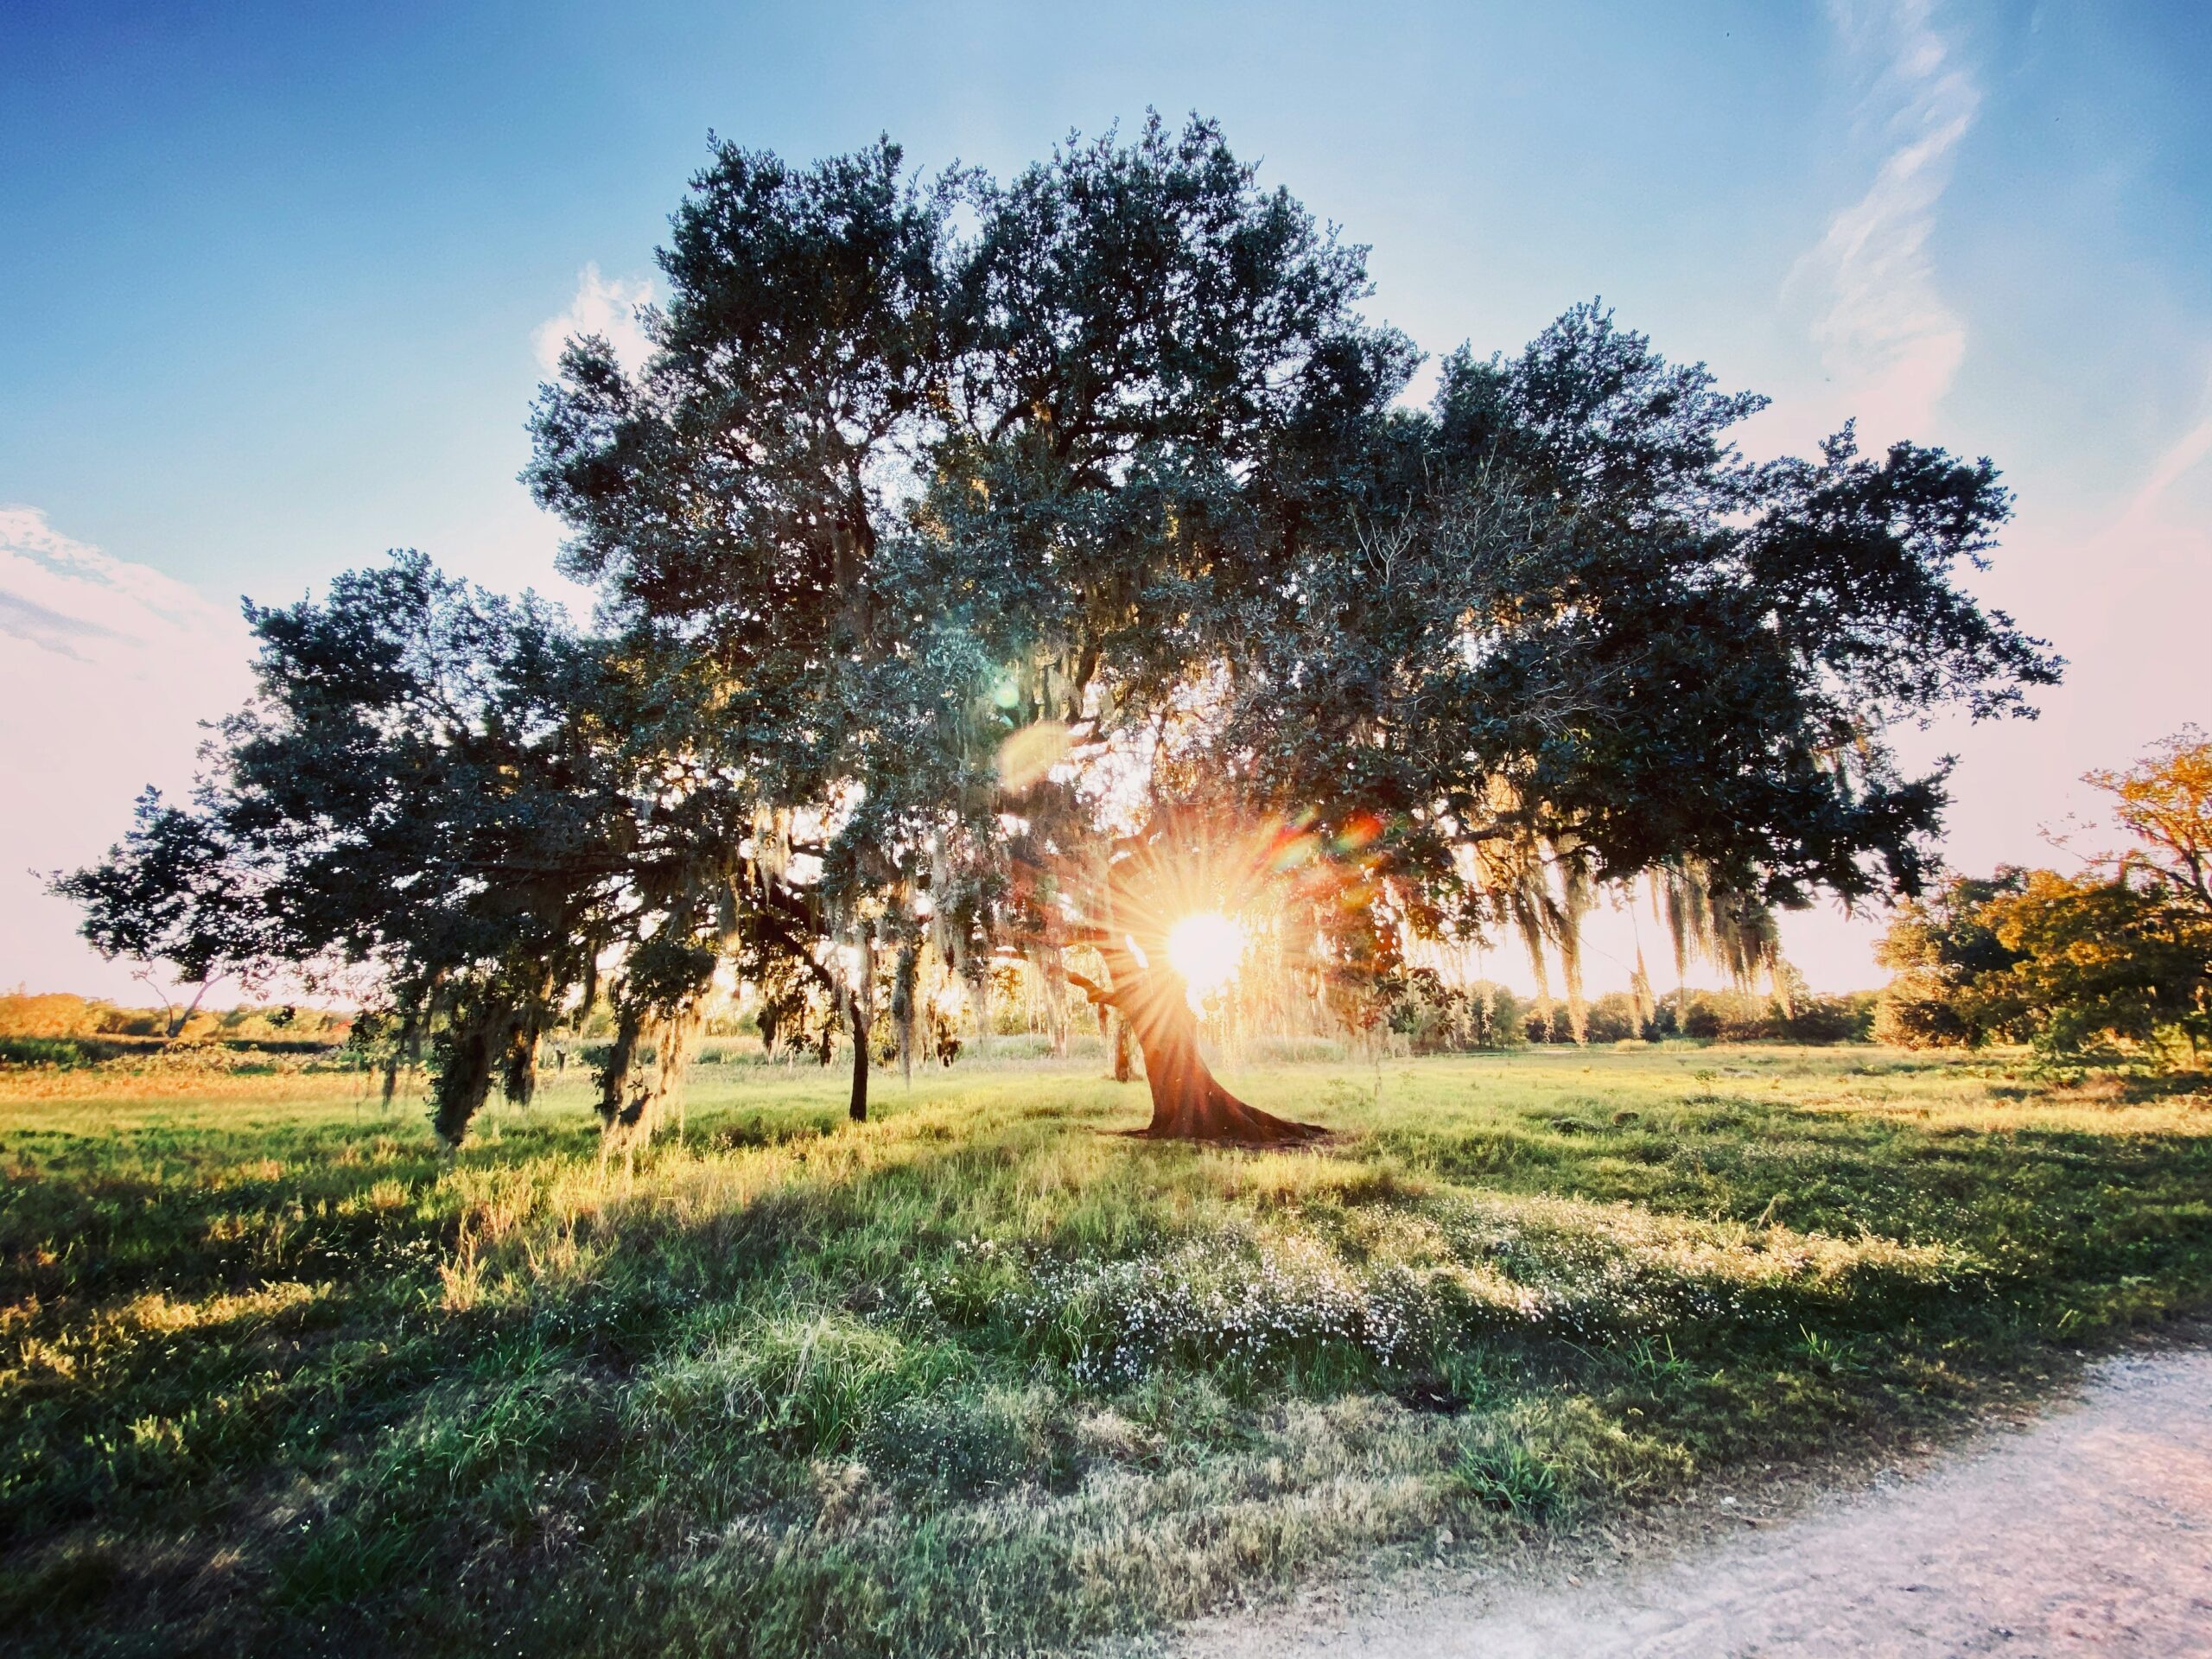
[2153,555]
[107,669]
[71,600]
[2175,461]
[1885,333]
[603,306]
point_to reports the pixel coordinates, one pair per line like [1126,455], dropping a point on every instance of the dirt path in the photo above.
[2088,1531]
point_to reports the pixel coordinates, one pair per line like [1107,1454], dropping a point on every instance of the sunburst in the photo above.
[1206,948]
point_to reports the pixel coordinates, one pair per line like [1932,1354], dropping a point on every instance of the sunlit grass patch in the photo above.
[982,1375]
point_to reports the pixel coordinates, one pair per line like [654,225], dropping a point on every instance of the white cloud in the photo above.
[603,306]
[2174,463]
[73,600]
[107,670]
[1885,335]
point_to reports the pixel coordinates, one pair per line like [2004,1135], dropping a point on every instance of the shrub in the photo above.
[1505,1474]
[41,1050]
[2071,965]
[1831,1018]
[1294,1050]
[957,1444]
[1434,1018]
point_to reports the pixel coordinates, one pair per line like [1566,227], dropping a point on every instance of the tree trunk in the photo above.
[858,1110]
[979,999]
[1052,969]
[177,1025]
[1123,1069]
[903,981]
[1188,1102]
[480,1033]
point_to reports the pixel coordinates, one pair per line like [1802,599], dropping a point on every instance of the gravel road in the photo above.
[2086,1530]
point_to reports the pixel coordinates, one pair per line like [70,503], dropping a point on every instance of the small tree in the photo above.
[1942,954]
[2164,802]
[2120,956]
[2099,963]
[173,895]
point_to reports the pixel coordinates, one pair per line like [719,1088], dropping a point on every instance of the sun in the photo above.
[1205,949]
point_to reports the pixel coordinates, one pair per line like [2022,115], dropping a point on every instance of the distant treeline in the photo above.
[1428,1017]
[1433,1018]
[55,1028]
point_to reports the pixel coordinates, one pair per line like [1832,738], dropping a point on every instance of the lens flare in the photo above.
[1205,949]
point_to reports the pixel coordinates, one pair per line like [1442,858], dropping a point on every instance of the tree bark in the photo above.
[858,1110]
[1188,1102]
[1054,974]
[182,1020]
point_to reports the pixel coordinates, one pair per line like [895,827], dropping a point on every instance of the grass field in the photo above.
[978,1377]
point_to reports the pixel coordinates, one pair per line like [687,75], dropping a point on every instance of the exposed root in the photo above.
[1188,1102]
[1221,1118]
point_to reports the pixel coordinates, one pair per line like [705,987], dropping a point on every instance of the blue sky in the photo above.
[280,279]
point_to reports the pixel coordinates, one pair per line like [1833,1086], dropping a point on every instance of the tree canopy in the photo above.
[1002,567]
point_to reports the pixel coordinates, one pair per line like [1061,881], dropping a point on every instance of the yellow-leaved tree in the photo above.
[2117,957]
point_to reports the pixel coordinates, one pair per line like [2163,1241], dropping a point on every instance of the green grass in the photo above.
[978,1377]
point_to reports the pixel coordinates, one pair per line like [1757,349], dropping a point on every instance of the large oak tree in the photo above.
[1008,566]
